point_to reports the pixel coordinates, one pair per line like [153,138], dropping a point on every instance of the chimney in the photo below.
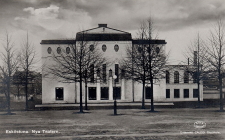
[195,57]
[102,25]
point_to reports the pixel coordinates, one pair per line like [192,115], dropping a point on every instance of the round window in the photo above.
[58,50]
[49,50]
[68,50]
[157,50]
[104,48]
[92,48]
[116,48]
[139,49]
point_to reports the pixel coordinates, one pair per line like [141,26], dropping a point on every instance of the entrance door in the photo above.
[92,93]
[117,93]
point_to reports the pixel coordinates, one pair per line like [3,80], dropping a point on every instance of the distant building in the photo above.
[113,43]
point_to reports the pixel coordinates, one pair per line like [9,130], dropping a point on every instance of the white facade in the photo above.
[54,91]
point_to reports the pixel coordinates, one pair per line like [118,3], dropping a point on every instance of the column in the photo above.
[123,89]
[110,89]
[98,90]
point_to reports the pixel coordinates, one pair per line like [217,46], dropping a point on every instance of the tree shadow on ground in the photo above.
[219,111]
[148,111]
[8,114]
[81,112]
[115,115]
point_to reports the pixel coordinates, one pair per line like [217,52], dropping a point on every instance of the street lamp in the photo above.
[115,106]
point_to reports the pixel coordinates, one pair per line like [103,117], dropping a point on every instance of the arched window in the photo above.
[176,77]
[186,77]
[167,77]
[58,50]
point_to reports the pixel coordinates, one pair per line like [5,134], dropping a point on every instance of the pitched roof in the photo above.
[103,33]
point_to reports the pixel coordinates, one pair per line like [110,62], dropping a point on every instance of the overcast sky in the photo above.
[177,21]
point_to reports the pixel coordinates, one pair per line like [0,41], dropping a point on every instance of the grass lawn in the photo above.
[166,124]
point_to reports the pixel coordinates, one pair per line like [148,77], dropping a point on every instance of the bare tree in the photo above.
[79,65]
[8,67]
[145,62]
[197,63]
[27,61]
[216,54]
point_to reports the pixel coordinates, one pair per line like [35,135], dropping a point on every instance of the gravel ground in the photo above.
[166,124]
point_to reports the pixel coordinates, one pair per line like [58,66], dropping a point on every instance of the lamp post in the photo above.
[115,106]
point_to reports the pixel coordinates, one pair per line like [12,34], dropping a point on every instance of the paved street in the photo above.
[172,124]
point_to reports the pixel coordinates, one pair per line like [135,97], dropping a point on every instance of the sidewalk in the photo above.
[108,105]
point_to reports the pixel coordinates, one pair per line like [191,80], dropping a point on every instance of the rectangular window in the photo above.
[167,93]
[92,73]
[176,93]
[186,77]
[195,93]
[104,72]
[59,93]
[117,72]
[92,93]
[117,92]
[148,93]
[104,93]
[186,93]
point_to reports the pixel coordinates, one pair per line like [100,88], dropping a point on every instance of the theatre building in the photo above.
[113,43]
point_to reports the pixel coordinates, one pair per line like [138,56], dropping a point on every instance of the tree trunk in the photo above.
[221,93]
[8,97]
[86,107]
[18,90]
[143,95]
[199,103]
[81,106]
[152,100]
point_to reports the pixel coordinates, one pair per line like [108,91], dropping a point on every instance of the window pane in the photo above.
[176,93]
[117,92]
[59,93]
[117,72]
[68,50]
[176,77]
[92,78]
[49,50]
[58,50]
[167,93]
[186,93]
[92,93]
[104,72]
[186,77]
[167,77]
[195,93]
[104,93]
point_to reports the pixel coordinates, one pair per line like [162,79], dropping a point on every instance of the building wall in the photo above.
[50,82]
[181,85]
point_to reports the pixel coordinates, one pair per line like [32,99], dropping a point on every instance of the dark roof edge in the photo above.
[58,42]
[154,41]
